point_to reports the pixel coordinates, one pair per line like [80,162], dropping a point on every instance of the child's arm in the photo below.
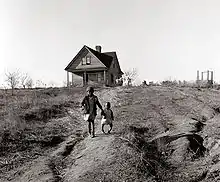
[98,103]
[83,102]
[102,113]
[112,115]
[83,105]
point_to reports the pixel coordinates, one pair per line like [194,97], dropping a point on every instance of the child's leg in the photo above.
[93,128]
[89,127]
[110,127]
[103,128]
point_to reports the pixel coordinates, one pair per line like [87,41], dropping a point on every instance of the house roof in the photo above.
[114,55]
[106,57]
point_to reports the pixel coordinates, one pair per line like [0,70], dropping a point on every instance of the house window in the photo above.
[88,59]
[83,61]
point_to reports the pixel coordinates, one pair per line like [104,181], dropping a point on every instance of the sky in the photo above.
[162,39]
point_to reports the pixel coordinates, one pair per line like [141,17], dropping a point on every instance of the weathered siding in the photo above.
[78,60]
[94,62]
[113,72]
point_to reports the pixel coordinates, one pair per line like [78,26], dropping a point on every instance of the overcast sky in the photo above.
[161,38]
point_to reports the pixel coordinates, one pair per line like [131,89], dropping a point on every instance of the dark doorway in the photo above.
[112,78]
[87,78]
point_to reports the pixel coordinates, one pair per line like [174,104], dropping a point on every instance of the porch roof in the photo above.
[87,70]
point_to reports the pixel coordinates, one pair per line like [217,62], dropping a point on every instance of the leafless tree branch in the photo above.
[12,79]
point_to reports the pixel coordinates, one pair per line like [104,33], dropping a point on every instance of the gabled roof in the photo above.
[114,55]
[105,59]
[71,62]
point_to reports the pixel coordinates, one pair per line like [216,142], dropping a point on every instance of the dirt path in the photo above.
[88,155]
[91,152]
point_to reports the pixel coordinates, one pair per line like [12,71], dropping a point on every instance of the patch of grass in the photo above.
[30,124]
[152,160]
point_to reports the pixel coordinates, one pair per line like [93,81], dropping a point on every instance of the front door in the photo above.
[112,78]
[87,78]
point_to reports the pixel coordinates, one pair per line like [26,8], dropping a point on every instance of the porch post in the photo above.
[197,76]
[104,77]
[208,75]
[72,79]
[68,81]
[212,76]
[84,78]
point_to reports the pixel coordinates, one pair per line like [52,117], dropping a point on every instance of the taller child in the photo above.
[90,103]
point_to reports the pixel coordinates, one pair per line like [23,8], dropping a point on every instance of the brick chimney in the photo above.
[98,48]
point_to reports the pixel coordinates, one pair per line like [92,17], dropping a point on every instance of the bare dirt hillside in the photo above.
[159,134]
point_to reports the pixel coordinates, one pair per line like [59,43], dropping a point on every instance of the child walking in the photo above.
[107,117]
[90,103]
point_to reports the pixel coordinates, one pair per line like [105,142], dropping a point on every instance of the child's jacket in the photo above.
[108,116]
[88,101]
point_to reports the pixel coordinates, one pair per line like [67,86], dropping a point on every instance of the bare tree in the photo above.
[24,78]
[130,76]
[12,79]
[29,82]
[40,84]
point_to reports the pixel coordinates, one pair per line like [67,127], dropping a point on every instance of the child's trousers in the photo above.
[91,126]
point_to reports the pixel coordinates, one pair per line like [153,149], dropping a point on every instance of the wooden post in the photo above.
[72,79]
[68,81]
[212,76]
[208,75]
[104,77]
[84,79]
[197,75]
[201,75]
[197,78]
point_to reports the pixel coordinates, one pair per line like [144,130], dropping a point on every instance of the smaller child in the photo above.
[107,117]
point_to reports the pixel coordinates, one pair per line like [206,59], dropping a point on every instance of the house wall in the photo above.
[78,60]
[94,61]
[114,71]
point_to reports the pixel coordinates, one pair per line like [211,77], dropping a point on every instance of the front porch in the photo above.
[98,77]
